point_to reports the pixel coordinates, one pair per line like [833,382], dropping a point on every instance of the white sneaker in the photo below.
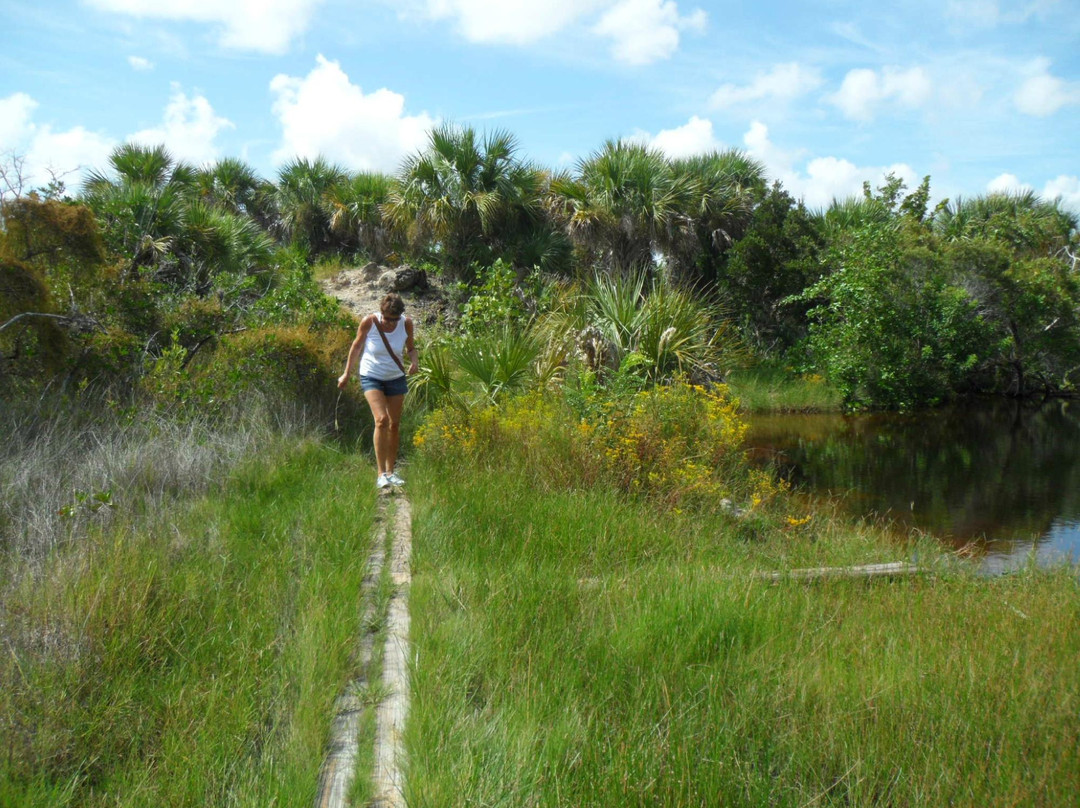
[394,479]
[383,481]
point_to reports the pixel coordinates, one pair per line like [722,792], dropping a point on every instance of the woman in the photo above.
[379,342]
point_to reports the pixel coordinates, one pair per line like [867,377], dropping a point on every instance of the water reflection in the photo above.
[1003,478]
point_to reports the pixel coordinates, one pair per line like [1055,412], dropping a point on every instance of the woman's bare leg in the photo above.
[394,406]
[386,410]
[376,399]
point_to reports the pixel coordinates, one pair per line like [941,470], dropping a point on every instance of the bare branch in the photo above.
[17,317]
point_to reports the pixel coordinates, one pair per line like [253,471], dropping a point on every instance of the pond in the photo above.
[1000,481]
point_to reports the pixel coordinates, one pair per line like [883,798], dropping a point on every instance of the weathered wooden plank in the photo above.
[891,569]
[339,765]
[390,715]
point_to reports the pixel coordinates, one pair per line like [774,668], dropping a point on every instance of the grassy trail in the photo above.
[567,648]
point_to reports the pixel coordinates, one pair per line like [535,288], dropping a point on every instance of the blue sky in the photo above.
[980,94]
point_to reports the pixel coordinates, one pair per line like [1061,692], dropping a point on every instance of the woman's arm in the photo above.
[410,347]
[355,350]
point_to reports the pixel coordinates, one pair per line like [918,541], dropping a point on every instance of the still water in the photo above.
[1001,481]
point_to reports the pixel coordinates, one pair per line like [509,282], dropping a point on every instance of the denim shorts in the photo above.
[389,387]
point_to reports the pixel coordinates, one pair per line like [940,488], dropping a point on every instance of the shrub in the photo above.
[678,445]
[284,363]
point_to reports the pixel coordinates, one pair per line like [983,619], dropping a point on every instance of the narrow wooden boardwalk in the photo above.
[339,766]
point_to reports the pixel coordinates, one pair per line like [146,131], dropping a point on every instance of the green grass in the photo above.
[768,389]
[574,650]
[191,657]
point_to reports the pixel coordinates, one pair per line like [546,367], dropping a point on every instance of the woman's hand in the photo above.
[343,380]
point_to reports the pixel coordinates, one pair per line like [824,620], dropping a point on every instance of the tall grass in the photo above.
[190,657]
[65,468]
[771,389]
[576,650]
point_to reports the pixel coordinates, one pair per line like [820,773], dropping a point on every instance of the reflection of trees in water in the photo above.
[1003,471]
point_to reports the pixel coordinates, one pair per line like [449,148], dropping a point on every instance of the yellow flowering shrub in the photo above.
[678,445]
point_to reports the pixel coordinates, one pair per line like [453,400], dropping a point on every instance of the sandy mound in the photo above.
[361,289]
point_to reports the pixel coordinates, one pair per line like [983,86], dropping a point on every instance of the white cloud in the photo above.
[1042,94]
[326,114]
[267,26]
[694,137]
[1007,184]
[15,114]
[784,82]
[139,63]
[863,91]
[645,31]
[824,178]
[516,22]
[1067,189]
[46,152]
[189,128]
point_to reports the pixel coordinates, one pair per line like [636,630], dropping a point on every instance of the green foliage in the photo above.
[676,445]
[356,218]
[627,202]
[888,328]
[669,330]
[1032,306]
[473,197]
[496,300]
[777,258]
[304,213]
[294,364]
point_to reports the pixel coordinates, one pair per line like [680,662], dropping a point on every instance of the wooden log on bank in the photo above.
[892,569]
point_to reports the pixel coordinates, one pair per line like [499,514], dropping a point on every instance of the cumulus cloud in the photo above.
[268,26]
[139,63]
[646,31]
[1067,189]
[1064,187]
[325,114]
[823,179]
[1007,184]
[516,22]
[863,91]
[783,83]
[189,128]
[46,151]
[1042,94]
[693,137]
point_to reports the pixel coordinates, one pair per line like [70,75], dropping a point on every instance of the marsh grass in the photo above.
[574,649]
[770,389]
[191,656]
[68,467]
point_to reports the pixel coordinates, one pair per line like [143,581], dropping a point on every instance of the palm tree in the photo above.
[233,185]
[304,189]
[469,194]
[724,188]
[1021,220]
[658,327]
[151,211]
[356,217]
[142,207]
[624,203]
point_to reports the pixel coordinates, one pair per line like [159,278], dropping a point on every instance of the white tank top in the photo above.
[375,361]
